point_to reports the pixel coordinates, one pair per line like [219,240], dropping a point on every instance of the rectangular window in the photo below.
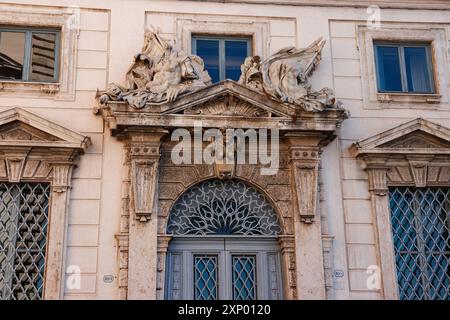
[420,227]
[23,238]
[222,56]
[404,68]
[28,54]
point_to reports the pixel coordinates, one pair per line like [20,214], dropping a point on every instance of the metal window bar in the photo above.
[205,277]
[421,227]
[23,232]
[244,277]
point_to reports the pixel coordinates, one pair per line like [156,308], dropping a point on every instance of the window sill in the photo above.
[430,98]
[29,87]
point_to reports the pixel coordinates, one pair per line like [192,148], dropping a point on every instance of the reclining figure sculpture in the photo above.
[284,77]
[158,74]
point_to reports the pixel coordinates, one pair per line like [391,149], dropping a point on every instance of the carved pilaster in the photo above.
[144,154]
[61,176]
[123,244]
[55,268]
[163,244]
[287,245]
[378,180]
[381,215]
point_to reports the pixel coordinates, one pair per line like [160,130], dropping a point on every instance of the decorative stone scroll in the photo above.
[284,76]
[158,74]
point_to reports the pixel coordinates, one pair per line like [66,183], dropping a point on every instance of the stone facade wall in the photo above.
[111,31]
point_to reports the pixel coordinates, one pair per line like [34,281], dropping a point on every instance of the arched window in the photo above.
[224,244]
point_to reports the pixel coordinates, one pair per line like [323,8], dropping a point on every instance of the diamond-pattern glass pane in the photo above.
[420,226]
[23,231]
[244,277]
[205,277]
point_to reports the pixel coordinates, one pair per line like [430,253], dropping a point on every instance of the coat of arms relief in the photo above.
[160,73]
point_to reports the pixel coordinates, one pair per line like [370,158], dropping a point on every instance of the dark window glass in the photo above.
[417,70]
[222,56]
[29,54]
[12,49]
[43,56]
[389,75]
[235,54]
[208,50]
[404,68]
[420,220]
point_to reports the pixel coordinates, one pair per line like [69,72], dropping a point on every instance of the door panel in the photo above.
[210,270]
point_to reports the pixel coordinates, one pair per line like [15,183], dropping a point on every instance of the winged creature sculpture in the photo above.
[284,76]
[158,74]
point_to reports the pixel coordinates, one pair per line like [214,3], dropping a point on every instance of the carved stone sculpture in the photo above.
[158,74]
[284,76]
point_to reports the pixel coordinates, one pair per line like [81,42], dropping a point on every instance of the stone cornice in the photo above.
[387,4]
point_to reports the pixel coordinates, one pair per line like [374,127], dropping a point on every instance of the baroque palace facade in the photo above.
[337,188]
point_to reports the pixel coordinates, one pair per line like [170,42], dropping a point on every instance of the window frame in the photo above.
[222,54]
[225,248]
[28,31]
[422,252]
[401,56]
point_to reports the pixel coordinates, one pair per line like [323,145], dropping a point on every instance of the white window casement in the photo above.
[409,178]
[47,65]
[36,162]
[415,58]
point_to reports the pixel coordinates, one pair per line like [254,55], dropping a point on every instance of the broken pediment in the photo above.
[224,104]
[416,136]
[162,74]
[228,98]
[21,128]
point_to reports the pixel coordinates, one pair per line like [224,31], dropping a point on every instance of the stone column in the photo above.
[55,268]
[163,245]
[304,164]
[381,216]
[144,153]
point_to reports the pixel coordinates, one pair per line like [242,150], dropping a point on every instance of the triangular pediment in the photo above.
[415,136]
[22,128]
[229,99]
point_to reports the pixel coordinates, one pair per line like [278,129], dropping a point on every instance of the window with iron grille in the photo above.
[420,227]
[23,234]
